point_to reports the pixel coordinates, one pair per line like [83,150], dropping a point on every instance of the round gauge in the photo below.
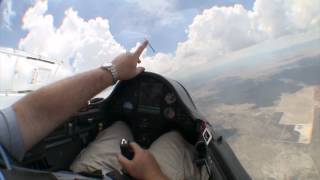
[169,113]
[127,106]
[170,98]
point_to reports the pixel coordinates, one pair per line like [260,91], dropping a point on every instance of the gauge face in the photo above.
[169,113]
[170,98]
[127,106]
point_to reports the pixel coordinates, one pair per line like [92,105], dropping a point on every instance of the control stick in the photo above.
[126,150]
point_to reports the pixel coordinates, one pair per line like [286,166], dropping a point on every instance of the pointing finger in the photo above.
[140,49]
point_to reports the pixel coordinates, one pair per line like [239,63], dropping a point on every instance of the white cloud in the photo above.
[161,63]
[83,44]
[213,33]
[222,30]
[282,17]
[217,31]
[6,13]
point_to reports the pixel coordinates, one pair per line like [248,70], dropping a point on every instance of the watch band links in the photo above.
[112,69]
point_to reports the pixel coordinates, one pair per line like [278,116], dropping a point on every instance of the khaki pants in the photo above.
[174,155]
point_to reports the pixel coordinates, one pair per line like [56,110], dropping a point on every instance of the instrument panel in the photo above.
[149,107]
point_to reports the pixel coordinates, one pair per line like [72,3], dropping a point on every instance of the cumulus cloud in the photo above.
[217,31]
[283,17]
[82,44]
[220,30]
[6,13]
[214,33]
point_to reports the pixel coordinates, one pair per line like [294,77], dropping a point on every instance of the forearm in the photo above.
[43,110]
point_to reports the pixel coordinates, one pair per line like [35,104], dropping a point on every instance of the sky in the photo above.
[186,34]
[130,20]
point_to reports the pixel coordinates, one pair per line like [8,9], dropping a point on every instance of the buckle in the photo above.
[207,136]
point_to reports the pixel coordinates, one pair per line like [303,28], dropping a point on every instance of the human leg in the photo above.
[176,157]
[101,153]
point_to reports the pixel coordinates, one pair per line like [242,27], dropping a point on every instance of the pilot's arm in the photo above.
[37,114]
[41,111]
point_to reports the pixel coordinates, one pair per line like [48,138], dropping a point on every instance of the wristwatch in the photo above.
[112,69]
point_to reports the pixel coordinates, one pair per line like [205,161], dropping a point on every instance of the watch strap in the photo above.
[112,69]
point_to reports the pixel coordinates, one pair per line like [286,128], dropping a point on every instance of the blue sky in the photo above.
[128,22]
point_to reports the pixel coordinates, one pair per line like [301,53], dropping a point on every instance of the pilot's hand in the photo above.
[126,63]
[143,166]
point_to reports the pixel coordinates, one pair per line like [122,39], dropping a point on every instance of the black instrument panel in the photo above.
[148,106]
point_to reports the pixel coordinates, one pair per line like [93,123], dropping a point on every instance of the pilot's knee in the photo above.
[117,130]
[172,138]
[173,135]
[119,124]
